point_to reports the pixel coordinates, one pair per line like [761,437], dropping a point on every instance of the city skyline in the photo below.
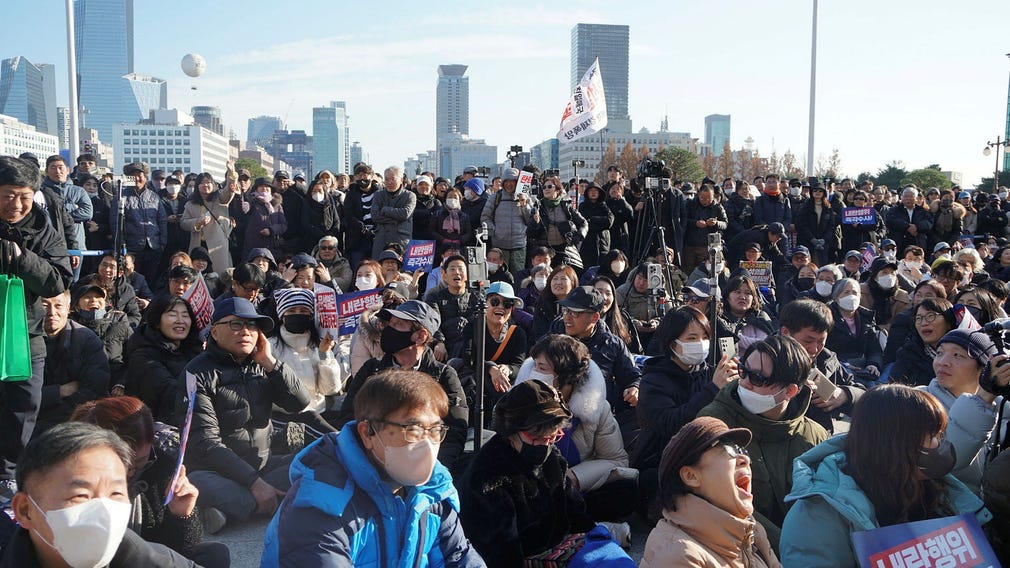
[888,87]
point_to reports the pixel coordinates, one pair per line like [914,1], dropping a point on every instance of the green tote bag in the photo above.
[15,353]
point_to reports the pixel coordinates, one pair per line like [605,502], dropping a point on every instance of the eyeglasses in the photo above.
[928,318]
[755,378]
[542,440]
[735,451]
[326,247]
[549,186]
[495,302]
[694,300]
[569,312]
[238,325]
[415,432]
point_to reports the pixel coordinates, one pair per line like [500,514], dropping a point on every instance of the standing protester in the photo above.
[174,202]
[145,227]
[427,207]
[600,220]
[74,198]
[360,227]
[507,215]
[30,249]
[266,219]
[392,212]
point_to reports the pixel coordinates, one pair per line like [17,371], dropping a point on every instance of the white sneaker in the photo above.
[620,532]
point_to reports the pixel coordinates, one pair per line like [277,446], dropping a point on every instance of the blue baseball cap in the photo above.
[505,290]
[243,309]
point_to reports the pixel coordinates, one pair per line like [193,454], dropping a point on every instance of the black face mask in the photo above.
[298,323]
[394,340]
[804,283]
[534,456]
[939,461]
[89,316]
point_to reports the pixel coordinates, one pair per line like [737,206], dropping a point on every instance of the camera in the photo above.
[578,163]
[654,275]
[648,168]
[476,259]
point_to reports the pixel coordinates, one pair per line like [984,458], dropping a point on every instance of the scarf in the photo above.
[451,222]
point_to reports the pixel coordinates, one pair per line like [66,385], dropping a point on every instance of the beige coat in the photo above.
[699,534]
[215,233]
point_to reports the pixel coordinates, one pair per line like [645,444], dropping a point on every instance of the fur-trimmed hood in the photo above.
[587,398]
[959,211]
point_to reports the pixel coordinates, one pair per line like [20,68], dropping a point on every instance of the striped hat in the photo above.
[288,298]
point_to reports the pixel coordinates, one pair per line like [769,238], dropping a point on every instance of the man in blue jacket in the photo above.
[145,225]
[375,494]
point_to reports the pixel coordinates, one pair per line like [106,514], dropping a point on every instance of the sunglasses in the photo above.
[325,247]
[495,302]
[755,378]
[735,451]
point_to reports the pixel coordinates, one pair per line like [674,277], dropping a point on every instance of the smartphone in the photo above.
[822,384]
[727,346]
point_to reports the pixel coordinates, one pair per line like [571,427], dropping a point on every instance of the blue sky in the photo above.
[918,81]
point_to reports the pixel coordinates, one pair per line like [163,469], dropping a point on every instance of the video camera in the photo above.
[651,175]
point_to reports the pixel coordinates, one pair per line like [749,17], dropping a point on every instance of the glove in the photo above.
[569,238]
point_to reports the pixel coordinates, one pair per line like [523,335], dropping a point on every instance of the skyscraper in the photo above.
[208,117]
[329,137]
[261,130]
[452,106]
[141,95]
[28,93]
[104,40]
[717,132]
[610,44]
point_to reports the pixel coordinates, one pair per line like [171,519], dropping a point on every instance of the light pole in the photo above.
[813,92]
[987,151]
[75,145]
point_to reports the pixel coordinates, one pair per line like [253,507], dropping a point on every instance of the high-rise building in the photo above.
[28,93]
[459,151]
[610,44]
[329,137]
[452,107]
[104,41]
[295,148]
[208,117]
[358,154]
[261,130]
[63,127]
[143,94]
[17,137]
[545,154]
[169,140]
[717,132]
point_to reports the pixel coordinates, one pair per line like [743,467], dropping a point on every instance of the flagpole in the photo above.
[813,93]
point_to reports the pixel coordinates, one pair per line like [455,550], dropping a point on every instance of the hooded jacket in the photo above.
[775,445]
[699,534]
[828,506]
[340,511]
[948,223]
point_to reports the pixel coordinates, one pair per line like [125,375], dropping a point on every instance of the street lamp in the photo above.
[988,150]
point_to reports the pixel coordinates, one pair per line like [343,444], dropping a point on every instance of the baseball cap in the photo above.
[82,290]
[888,243]
[777,229]
[243,309]
[853,254]
[301,260]
[470,170]
[583,299]
[801,250]
[700,288]
[399,288]
[940,246]
[244,174]
[414,310]
[282,174]
[505,290]
[425,179]
[388,255]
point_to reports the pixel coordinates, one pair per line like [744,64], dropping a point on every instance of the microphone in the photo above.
[1001,324]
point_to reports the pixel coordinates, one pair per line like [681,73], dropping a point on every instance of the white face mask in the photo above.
[848,303]
[890,254]
[823,288]
[914,264]
[410,465]
[757,403]
[617,267]
[492,267]
[469,194]
[173,189]
[452,203]
[540,282]
[318,197]
[87,535]
[794,191]
[692,353]
[545,377]
[1002,195]
[365,282]
[887,281]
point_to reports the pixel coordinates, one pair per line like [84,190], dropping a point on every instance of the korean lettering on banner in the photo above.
[184,437]
[760,271]
[586,112]
[351,306]
[327,317]
[867,259]
[525,182]
[949,542]
[199,300]
[420,254]
[859,216]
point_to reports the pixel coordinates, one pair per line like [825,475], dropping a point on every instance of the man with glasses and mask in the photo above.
[352,492]
[238,382]
[770,398]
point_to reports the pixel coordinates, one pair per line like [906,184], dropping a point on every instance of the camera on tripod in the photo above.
[578,163]
[476,259]
[651,175]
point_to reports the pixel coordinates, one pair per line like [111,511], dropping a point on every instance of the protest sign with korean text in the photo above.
[760,271]
[420,254]
[949,542]
[859,216]
[525,182]
[351,306]
[199,300]
[586,112]
[184,436]
[327,317]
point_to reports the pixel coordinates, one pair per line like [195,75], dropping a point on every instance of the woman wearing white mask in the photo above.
[614,265]
[368,276]
[854,338]
[912,264]
[533,286]
[823,283]
[675,386]
[880,292]
[206,218]
[450,224]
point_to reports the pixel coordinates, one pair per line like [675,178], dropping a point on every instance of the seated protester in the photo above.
[913,364]
[406,338]
[328,256]
[678,279]
[708,509]
[149,477]
[880,292]
[809,322]
[771,399]
[264,259]
[972,265]
[88,308]
[561,281]
[742,317]
[247,282]
[391,262]
[768,236]
[802,282]
[592,446]
[203,265]
[949,274]
[434,280]
[704,269]
[157,354]
[840,486]
[980,303]
[855,337]
[72,479]
[365,341]
[305,272]
[999,265]
[971,403]
[180,258]
[454,305]
[675,386]
[497,268]
[517,499]
[999,291]
[852,265]
[637,298]
[824,281]
[238,383]
[451,225]
[311,359]
[996,494]
[505,347]
[533,286]
[180,279]
[368,276]
[119,293]
[618,320]
[137,280]
[378,478]
[903,324]
[76,367]
[912,264]
[613,265]
[798,258]
[537,256]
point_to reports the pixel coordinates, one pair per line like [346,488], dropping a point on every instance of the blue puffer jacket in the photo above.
[829,506]
[339,512]
[146,223]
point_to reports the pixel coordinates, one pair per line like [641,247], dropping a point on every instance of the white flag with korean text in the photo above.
[586,112]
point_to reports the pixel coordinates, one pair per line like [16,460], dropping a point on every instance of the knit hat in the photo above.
[288,298]
[530,404]
[693,439]
[978,345]
[199,253]
[475,185]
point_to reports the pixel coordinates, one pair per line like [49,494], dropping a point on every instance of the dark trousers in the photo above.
[19,408]
[612,502]
[209,554]
[233,499]
[147,262]
[357,250]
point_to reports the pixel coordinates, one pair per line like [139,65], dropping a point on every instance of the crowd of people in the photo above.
[696,386]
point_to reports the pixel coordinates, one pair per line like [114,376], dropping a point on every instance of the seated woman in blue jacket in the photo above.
[862,480]
[374,495]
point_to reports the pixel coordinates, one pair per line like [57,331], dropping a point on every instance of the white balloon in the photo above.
[193,65]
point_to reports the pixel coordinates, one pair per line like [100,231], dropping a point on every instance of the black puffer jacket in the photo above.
[154,368]
[114,330]
[426,209]
[230,433]
[861,348]
[913,366]
[74,355]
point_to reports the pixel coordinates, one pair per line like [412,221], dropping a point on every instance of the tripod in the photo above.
[650,217]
